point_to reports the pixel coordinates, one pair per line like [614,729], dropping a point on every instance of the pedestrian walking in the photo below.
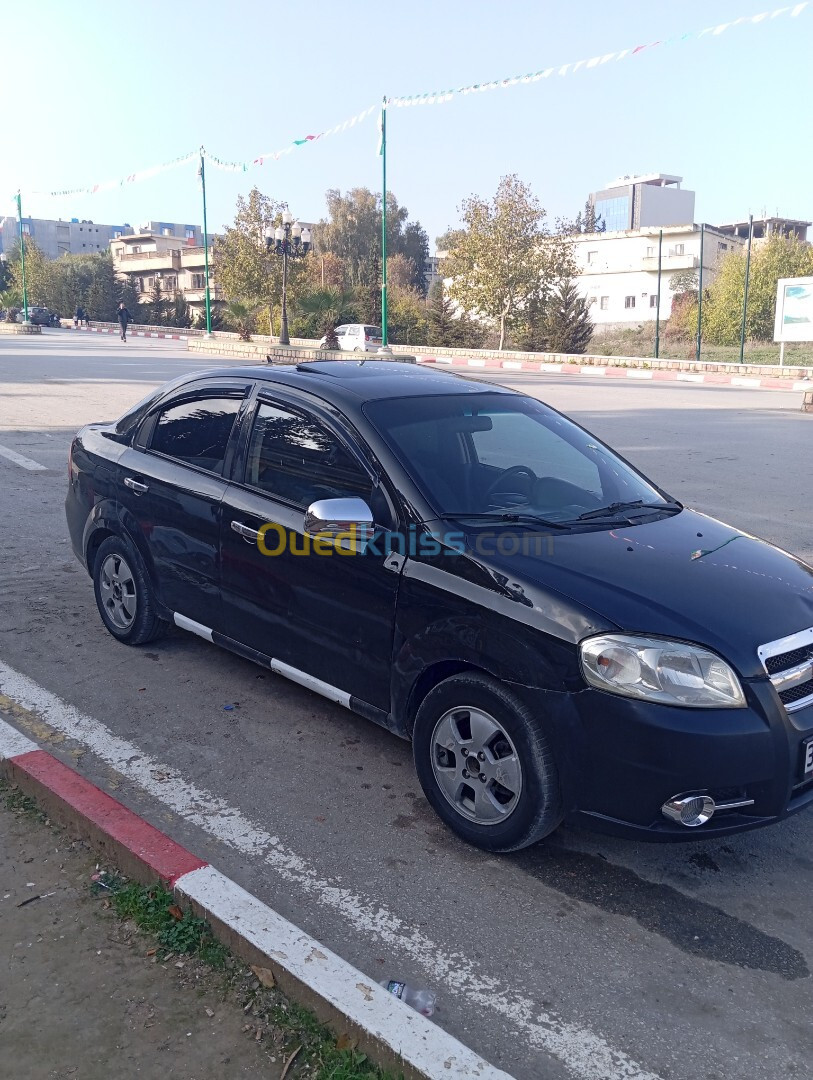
[78,317]
[124,317]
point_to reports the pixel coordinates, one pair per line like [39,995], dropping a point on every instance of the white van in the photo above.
[357,337]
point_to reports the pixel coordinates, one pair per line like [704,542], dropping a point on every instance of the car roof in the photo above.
[359,380]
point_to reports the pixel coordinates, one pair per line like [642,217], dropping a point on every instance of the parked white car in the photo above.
[357,337]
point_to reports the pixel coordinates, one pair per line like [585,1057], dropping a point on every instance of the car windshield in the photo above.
[500,455]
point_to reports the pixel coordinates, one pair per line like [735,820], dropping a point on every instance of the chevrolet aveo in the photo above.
[465,566]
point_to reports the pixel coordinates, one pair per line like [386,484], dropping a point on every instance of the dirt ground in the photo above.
[79,997]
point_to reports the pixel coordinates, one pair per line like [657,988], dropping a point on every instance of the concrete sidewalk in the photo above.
[79,997]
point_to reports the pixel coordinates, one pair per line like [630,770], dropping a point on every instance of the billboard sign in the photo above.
[794,310]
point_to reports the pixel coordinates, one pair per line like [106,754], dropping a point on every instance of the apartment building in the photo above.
[619,269]
[58,237]
[172,260]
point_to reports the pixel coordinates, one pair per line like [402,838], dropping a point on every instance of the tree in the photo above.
[36,272]
[352,231]
[5,276]
[776,258]
[566,324]
[128,295]
[179,314]
[103,294]
[242,266]
[155,309]
[684,281]
[322,310]
[414,246]
[10,303]
[241,318]
[407,321]
[325,271]
[586,221]
[504,256]
[447,326]
[216,320]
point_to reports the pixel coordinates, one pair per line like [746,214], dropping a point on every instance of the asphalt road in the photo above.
[584,957]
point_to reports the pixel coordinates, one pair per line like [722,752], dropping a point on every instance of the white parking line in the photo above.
[585,1054]
[23,462]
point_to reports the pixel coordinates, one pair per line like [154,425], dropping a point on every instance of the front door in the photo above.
[171,487]
[325,614]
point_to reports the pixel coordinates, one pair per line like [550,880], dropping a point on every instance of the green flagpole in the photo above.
[700,298]
[383,152]
[747,279]
[22,255]
[205,244]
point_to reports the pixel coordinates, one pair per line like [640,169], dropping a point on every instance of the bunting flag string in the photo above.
[133,178]
[275,155]
[435,97]
[440,97]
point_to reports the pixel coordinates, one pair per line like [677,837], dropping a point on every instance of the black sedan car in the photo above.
[470,569]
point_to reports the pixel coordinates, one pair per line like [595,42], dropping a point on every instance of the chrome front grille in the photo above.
[789,663]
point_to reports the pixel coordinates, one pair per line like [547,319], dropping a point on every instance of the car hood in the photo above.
[687,576]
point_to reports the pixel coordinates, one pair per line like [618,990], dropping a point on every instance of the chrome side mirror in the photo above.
[344,523]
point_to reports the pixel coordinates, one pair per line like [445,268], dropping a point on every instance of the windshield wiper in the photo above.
[507,516]
[621,507]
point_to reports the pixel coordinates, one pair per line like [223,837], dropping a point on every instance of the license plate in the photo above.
[807,760]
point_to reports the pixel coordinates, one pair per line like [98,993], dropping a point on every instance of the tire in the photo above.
[124,594]
[478,714]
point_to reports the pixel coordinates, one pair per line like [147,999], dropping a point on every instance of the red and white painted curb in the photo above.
[593,370]
[390,1032]
[133,333]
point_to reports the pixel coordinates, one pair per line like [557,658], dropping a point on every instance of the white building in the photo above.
[619,270]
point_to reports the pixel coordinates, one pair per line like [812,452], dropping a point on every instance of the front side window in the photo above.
[295,458]
[196,432]
[492,454]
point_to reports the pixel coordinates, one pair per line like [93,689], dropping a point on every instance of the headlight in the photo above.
[654,669]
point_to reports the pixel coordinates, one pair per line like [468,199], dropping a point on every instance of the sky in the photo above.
[97,91]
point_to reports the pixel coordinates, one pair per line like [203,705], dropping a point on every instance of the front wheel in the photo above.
[485,764]
[124,594]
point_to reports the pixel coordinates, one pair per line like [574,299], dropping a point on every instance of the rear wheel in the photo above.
[485,764]
[124,594]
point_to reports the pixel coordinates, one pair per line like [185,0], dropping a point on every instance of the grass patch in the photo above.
[153,909]
[20,804]
[640,341]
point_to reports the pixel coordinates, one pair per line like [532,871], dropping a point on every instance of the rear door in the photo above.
[171,484]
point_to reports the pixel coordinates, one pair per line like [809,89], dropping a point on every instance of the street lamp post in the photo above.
[290,241]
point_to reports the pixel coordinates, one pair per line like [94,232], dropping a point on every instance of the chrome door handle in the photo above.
[136,486]
[248,534]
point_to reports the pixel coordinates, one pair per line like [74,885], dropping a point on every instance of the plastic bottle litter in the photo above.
[423,1001]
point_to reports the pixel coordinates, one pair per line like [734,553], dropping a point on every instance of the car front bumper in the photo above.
[633,756]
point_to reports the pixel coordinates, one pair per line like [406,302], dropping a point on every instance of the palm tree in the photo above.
[10,303]
[241,316]
[327,308]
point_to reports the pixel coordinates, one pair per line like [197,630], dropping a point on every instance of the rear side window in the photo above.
[196,432]
[292,457]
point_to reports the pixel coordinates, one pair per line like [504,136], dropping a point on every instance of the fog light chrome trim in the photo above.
[689,810]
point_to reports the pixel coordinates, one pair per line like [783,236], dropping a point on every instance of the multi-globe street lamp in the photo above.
[291,241]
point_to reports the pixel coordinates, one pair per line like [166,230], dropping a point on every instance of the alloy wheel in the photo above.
[118,591]
[476,765]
